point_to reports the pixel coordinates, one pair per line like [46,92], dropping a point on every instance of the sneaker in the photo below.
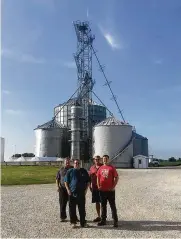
[85,225]
[115,224]
[101,223]
[98,219]
[74,226]
[62,220]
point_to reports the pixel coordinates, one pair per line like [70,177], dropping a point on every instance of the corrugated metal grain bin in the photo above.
[51,140]
[110,137]
[140,145]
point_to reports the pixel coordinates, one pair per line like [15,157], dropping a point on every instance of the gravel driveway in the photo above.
[148,203]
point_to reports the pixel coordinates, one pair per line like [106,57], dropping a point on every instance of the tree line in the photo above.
[25,155]
[28,155]
[171,159]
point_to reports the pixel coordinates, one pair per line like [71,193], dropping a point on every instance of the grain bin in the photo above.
[140,145]
[62,112]
[76,129]
[51,140]
[110,137]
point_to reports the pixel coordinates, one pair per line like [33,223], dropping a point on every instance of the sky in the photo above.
[138,42]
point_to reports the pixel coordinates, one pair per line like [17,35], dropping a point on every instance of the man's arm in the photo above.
[58,185]
[90,176]
[98,182]
[68,189]
[115,181]
[66,182]
[116,177]
[58,181]
[88,182]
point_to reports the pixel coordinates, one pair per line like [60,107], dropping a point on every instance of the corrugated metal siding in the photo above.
[125,159]
[145,147]
[110,139]
[97,113]
[140,145]
[51,142]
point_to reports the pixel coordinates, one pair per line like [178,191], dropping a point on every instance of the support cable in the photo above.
[107,82]
[103,103]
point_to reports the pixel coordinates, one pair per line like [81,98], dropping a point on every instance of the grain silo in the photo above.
[112,137]
[62,112]
[51,140]
[140,145]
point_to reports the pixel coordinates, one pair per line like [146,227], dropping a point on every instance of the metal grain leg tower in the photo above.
[83,59]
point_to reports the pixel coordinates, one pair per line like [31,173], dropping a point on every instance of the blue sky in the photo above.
[137,41]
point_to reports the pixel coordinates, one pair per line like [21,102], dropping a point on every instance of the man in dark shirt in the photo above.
[77,182]
[93,186]
[63,195]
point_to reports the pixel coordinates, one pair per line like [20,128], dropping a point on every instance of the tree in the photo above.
[172,159]
[29,155]
[16,156]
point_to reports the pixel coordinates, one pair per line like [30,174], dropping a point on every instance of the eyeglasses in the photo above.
[76,163]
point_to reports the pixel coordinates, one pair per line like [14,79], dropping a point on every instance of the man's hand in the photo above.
[69,192]
[58,189]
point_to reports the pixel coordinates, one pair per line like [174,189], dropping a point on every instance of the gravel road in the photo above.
[148,203]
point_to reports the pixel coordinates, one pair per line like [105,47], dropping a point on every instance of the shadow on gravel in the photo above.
[143,226]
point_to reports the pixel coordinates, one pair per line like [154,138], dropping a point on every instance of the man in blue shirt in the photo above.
[77,182]
[63,195]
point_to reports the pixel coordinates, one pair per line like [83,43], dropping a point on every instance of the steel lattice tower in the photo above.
[83,59]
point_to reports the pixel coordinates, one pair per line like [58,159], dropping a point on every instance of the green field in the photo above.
[24,175]
[167,163]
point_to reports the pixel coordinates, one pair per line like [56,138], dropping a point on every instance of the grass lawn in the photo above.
[167,163]
[23,175]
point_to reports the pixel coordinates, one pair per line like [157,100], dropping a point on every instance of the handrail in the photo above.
[122,151]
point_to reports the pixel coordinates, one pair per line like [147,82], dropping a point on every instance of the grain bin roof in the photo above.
[50,124]
[74,100]
[111,121]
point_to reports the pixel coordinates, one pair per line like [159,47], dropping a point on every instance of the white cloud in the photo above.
[158,61]
[13,112]
[111,39]
[87,12]
[27,58]
[21,57]
[6,92]
[70,64]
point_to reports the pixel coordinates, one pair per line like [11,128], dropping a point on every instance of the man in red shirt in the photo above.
[93,186]
[107,178]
